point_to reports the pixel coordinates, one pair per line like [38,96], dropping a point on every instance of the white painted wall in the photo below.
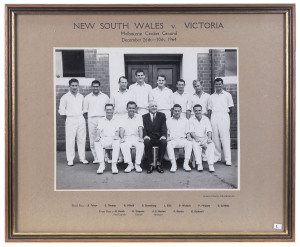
[188,66]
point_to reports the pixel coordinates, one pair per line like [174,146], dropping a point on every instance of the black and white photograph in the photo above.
[146,118]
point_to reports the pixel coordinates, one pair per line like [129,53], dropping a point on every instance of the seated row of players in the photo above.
[73,105]
[152,129]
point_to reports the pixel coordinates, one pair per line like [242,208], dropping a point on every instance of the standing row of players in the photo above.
[98,108]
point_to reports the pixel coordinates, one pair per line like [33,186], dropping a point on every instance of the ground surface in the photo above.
[84,177]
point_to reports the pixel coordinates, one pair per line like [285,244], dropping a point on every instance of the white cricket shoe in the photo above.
[114,168]
[211,168]
[199,167]
[138,168]
[129,168]
[101,169]
[84,162]
[174,167]
[186,167]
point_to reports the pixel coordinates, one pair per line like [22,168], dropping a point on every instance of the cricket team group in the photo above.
[148,120]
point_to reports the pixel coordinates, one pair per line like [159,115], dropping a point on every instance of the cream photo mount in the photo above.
[267,126]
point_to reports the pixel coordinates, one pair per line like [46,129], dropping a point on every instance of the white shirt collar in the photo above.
[130,117]
[106,119]
[157,88]
[92,94]
[143,85]
[70,94]
[197,118]
[222,92]
[198,95]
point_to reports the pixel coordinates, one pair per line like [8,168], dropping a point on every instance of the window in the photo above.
[73,63]
[230,62]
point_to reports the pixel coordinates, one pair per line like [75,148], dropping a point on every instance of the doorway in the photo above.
[153,65]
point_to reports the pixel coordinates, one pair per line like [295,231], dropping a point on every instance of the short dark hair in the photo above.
[197,105]
[109,104]
[163,76]
[73,80]
[177,105]
[139,71]
[122,77]
[181,81]
[131,103]
[96,82]
[219,79]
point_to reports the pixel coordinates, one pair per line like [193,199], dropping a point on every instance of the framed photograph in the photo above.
[124,120]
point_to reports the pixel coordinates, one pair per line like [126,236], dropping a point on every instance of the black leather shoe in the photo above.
[150,169]
[159,169]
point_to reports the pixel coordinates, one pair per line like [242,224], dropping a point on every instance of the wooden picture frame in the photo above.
[262,208]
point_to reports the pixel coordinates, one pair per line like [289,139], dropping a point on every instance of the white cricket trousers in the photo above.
[220,123]
[132,141]
[75,128]
[209,150]
[93,123]
[107,142]
[181,143]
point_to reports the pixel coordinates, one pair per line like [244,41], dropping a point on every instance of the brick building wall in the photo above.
[204,70]
[232,88]
[96,67]
[219,59]
[205,75]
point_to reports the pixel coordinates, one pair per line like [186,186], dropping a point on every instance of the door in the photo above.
[132,68]
[171,73]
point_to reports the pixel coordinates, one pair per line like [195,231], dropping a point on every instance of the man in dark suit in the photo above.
[155,134]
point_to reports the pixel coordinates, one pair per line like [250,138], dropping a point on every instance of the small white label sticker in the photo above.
[277,226]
